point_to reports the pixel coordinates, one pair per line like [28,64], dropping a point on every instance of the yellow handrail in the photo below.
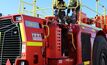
[22,8]
[104,16]
[28,3]
[97,2]
[73,40]
[34,8]
[48,31]
[101,18]
[91,9]
[100,21]
[95,11]
[104,12]
[53,3]
[79,22]
[82,5]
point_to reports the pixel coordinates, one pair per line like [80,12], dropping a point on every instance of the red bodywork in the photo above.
[48,51]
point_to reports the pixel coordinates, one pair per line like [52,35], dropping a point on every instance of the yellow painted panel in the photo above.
[22,32]
[34,43]
[86,62]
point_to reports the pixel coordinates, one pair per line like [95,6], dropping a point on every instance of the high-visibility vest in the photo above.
[73,3]
[60,4]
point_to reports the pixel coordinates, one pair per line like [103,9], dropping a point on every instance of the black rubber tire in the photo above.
[99,55]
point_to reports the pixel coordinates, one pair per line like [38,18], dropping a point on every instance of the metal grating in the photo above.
[10,44]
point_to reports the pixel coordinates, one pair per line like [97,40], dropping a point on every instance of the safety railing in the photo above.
[95,11]
[22,9]
[33,8]
[104,13]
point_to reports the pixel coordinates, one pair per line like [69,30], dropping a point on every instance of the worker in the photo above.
[60,7]
[56,12]
[73,17]
[75,9]
[74,5]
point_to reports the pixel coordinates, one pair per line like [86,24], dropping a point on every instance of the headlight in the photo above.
[17,18]
[23,48]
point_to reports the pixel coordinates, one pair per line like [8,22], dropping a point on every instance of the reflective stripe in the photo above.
[86,62]
[22,32]
[34,43]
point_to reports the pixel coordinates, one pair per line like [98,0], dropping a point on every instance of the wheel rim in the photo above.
[103,59]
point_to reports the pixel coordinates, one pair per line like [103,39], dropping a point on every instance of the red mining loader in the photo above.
[28,40]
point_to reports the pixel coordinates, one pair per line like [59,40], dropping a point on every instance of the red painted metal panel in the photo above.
[61,61]
[34,56]
[33,30]
[54,42]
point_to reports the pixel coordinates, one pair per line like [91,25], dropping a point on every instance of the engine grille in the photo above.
[10,45]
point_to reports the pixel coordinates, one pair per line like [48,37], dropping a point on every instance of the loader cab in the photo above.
[10,40]
[21,40]
[32,38]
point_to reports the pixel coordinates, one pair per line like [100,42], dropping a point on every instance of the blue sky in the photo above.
[11,6]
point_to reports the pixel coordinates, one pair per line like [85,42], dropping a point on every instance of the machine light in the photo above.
[17,18]
[23,48]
